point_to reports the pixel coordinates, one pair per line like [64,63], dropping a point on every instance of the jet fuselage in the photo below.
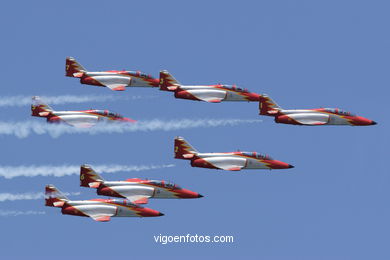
[85,118]
[151,189]
[243,160]
[215,93]
[123,78]
[109,207]
[321,116]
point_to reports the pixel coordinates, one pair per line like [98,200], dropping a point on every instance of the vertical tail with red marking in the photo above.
[89,178]
[73,68]
[53,197]
[39,108]
[167,81]
[267,106]
[183,150]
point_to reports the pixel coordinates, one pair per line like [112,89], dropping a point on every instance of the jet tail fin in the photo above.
[267,106]
[183,150]
[89,178]
[73,68]
[39,108]
[167,81]
[53,197]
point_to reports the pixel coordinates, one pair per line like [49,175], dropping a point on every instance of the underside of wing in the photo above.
[311,119]
[101,218]
[227,163]
[80,121]
[234,168]
[138,199]
[212,99]
[81,124]
[311,122]
[230,167]
[116,87]
[97,212]
[208,95]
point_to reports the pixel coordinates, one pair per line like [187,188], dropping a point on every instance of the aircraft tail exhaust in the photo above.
[267,105]
[73,68]
[167,81]
[39,108]
[89,178]
[53,197]
[183,150]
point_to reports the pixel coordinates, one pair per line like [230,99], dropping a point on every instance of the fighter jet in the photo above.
[97,209]
[233,161]
[113,79]
[81,119]
[317,116]
[135,190]
[207,93]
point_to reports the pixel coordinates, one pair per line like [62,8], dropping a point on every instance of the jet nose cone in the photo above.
[200,196]
[373,123]
[290,166]
[161,214]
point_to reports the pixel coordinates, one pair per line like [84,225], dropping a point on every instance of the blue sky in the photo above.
[304,54]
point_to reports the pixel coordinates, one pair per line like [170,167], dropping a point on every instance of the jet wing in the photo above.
[80,121]
[97,212]
[234,168]
[81,124]
[101,218]
[116,87]
[311,122]
[311,118]
[212,99]
[138,199]
[227,163]
[230,167]
[208,95]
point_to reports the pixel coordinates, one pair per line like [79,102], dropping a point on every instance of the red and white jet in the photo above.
[97,209]
[233,161]
[113,79]
[82,119]
[135,190]
[318,116]
[208,93]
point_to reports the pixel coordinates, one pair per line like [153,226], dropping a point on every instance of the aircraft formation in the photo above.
[133,192]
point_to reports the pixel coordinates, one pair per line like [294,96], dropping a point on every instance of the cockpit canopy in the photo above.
[339,111]
[235,88]
[141,74]
[257,155]
[108,113]
[166,184]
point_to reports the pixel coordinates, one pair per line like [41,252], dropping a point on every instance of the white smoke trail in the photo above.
[29,196]
[24,129]
[13,213]
[19,101]
[10,172]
